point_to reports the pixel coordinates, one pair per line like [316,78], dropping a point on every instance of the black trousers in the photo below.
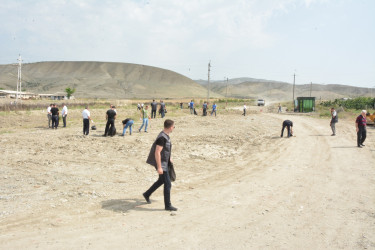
[86,126]
[166,180]
[110,122]
[361,135]
[282,130]
[153,114]
[64,120]
[55,121]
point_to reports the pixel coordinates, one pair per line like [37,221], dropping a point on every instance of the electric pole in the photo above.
[294,84]
[226,93]
[208,83]
[310,88]
[19,78]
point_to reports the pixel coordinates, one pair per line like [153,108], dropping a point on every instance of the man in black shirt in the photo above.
[55,116]
[110,117]
[160,158]
[289,125]
[154,107]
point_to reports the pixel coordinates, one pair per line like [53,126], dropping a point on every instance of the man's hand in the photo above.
[160,171]
[357,129]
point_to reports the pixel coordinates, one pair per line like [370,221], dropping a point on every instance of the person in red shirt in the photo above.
[360,124]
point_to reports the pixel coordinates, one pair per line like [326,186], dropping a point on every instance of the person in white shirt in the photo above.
[334,120]
[244,109]
[86,120]
[49,115]
[64,113]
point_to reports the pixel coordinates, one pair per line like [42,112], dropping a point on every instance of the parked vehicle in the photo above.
[261,102]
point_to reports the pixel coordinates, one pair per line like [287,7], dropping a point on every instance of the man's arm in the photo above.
[158,158]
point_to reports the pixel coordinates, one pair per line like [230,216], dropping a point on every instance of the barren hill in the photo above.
[101,80]
[281,91]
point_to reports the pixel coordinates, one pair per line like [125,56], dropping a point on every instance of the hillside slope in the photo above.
[280,91]
[101,80]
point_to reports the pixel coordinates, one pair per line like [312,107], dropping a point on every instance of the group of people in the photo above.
[53,115]
[360,125]
[204,108]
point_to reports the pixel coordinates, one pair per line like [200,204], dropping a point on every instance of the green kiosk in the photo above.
[305,104]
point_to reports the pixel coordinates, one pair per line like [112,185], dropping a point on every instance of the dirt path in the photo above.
[239,186]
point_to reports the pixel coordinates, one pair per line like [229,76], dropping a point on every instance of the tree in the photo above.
[70,92]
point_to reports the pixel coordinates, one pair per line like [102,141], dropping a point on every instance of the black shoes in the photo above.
[171,208]
[359,146]
[147,198]
[362,145]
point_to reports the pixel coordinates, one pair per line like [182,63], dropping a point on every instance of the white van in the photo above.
[261,102]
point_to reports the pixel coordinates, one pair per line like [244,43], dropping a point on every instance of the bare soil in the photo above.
[239,185]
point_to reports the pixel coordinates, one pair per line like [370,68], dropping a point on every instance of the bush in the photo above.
[357,103]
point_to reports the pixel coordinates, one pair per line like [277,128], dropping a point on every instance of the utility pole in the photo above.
[310,88]
[208,83]
[226,93]
[19,78]
[294,84]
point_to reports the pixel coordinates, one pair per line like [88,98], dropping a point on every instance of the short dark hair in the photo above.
[168,123]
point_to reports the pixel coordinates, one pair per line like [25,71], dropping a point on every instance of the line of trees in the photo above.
[356,103]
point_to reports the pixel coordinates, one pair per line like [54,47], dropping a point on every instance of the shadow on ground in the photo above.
[125,205]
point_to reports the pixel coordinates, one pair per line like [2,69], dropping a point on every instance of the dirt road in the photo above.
[239,186]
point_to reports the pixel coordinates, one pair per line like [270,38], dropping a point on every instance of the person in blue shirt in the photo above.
[213,109]
[191,105]
[204,107]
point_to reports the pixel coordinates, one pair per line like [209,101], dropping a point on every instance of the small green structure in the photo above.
[305,104]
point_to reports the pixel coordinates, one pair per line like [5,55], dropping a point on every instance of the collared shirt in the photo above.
[49,109]
[361,121]
[64,111]
[85,114]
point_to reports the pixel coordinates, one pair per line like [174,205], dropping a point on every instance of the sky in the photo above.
[320,41]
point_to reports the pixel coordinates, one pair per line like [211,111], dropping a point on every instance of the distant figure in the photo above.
[160,158]
[64,114]
[49,115]
[204,107]
[244,109]
[154,107]
[360,125]
[110,117]
[162,109]
[127,123]
[138,106]
[55,116]
[289,125]
[144,117]
[334,120]
[279,110]
[181,104]
[86,120]
[191,106]
[213,109]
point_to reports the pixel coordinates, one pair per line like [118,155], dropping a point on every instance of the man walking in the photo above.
[244,109]
[160,158]
[49,115]
[289,125]
[144,117]
[279,110]
[55,116]
[360,125]
[86,120]
[154,107]
[64,113]
[334,120]
[110,117]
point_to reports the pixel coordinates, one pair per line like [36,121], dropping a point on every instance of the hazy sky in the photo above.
[322,41]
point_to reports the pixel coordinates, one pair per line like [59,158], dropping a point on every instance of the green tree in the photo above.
[70,92]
